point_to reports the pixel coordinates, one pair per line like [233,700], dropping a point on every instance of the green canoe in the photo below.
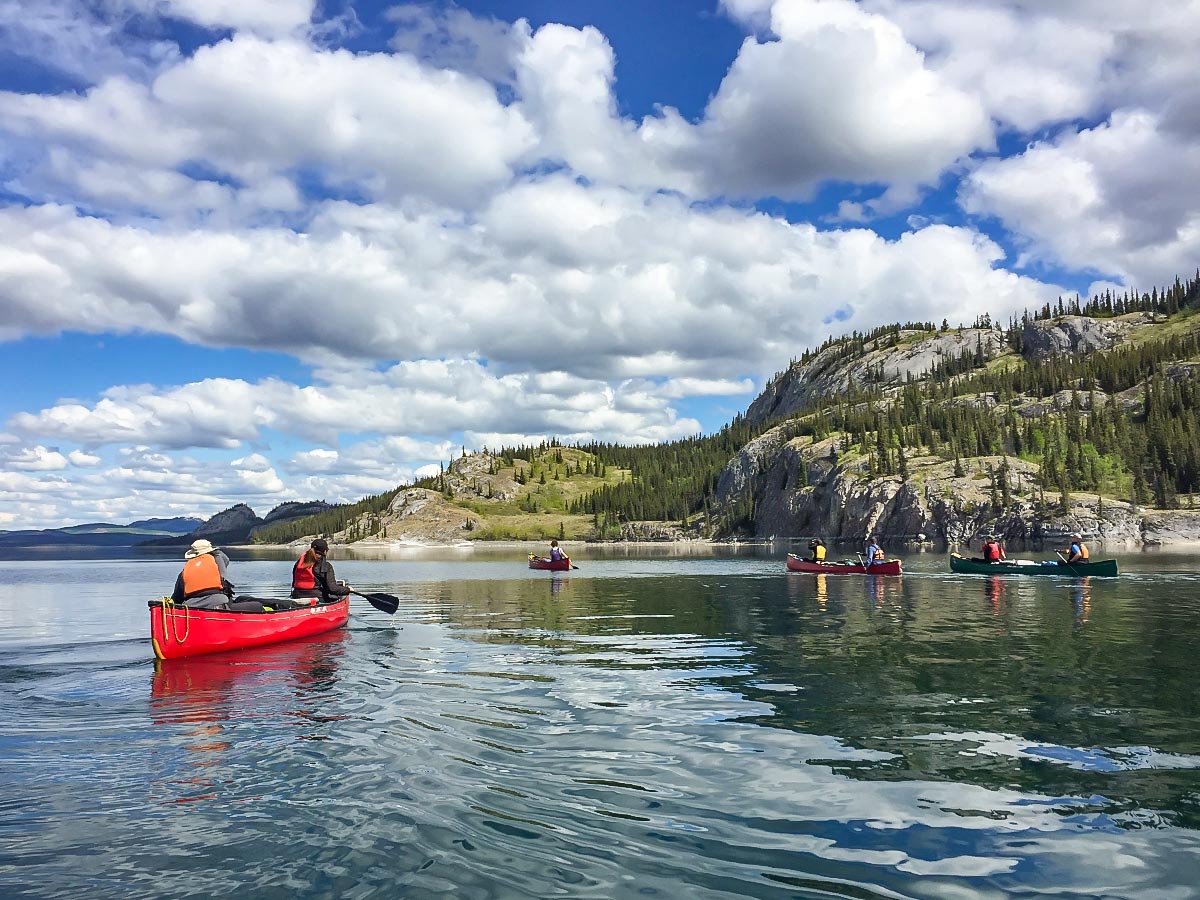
[1102,568]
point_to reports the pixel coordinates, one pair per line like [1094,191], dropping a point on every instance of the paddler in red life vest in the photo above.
[992,551]
[312,576]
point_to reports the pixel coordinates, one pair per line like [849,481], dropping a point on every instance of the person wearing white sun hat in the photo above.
[203,583]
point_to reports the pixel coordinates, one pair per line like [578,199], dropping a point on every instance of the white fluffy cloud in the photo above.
[614,285]
[1119,198]
[255,110]
[840,94]
[265,16]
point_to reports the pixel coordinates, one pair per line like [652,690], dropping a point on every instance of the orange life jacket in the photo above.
[1083,551]
[201,574]
[880,556]
[302,577]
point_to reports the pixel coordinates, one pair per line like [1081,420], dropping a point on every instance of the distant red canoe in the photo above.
[178,631]
[887,567]
[552,565]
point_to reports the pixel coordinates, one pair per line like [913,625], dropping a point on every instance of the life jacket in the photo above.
[201,574]
[878,555]
[302,577]
[991,551]
[1080,549]
[819,553]
[556,554]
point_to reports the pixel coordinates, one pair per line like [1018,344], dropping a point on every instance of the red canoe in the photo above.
[178,631]
[887,567]
[541,562]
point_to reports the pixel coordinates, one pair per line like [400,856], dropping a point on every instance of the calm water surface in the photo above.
[649,725]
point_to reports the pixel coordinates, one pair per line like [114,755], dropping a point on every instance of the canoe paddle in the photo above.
[1065,563]
[382,602]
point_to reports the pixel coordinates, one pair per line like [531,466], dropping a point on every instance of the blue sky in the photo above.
[279,250]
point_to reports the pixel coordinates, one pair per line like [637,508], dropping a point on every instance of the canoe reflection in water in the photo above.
[203,699]
[1081,597]
[995,593]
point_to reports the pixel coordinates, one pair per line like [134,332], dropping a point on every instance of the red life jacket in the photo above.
[201,574]
[302,577]
[991,551]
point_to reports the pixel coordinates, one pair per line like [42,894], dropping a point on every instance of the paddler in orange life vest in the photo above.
[312,576]
[202,583]
[875,553]
[1078,551]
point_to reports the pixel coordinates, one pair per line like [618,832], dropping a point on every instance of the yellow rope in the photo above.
[173,631]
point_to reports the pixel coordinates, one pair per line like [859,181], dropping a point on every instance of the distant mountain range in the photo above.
[102,534]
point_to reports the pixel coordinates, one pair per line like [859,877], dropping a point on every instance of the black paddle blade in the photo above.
[382,602]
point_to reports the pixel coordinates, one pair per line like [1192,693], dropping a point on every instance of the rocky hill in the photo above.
[906,482]
[239,523]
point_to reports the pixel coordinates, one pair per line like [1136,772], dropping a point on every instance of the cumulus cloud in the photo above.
[83,460]
[384,125]
[1118,198]
[422,397]
[840,94]
[264,16]
[35,459]
[81,42]
[616,285]
[452,38]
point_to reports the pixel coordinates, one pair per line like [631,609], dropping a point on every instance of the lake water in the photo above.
[653,724]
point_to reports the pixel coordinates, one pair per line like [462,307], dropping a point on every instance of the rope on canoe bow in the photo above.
[173,630]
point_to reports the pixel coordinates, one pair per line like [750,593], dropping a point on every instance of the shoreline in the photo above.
[906,546]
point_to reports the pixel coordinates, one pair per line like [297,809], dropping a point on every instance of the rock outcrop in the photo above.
[798,489]
[882,362]
[233,524]
[1077,335]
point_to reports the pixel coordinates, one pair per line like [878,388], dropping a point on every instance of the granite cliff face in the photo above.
[882,363]
[1077,335]
[781,485]
[798,489]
